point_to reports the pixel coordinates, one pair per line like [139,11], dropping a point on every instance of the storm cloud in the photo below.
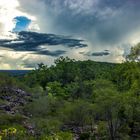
[102,53]
[101,21]
[56,53]
[31,41]
[104,24]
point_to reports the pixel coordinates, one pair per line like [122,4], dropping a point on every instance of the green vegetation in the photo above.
[84,100]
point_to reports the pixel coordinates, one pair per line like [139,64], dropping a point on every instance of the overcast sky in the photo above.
[35,31]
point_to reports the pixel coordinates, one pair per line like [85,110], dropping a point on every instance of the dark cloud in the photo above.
[103,53]
[51,53]
[101,21]
[31,41]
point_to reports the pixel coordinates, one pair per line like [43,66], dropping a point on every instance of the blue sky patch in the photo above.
[22,23]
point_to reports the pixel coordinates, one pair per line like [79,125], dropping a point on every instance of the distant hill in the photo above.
[15,72]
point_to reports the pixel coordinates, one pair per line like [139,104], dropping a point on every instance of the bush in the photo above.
[60,136]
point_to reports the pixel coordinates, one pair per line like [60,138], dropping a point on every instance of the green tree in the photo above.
[134,53]
[56,89]
[132,111]
[78,113]
[108,104]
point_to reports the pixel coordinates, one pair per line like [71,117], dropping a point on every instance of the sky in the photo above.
[35,31]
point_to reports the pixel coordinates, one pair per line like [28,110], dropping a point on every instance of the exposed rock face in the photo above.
[12,99]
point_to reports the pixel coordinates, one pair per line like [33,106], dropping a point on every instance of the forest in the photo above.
[72,100]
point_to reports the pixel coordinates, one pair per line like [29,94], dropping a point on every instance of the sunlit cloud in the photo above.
[9,9]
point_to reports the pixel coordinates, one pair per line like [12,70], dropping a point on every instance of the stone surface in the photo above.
[13,99]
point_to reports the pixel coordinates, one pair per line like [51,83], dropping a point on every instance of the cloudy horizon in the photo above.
[35,31]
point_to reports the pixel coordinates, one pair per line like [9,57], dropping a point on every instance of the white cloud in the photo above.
[10,59]
[9,9]
[33,27]
[7,13]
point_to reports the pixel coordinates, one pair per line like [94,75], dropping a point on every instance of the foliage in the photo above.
[60,136]
[74,99]
[134,53]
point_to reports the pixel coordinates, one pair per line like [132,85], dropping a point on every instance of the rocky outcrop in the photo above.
[13,99]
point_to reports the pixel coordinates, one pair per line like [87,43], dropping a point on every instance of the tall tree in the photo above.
[134,53]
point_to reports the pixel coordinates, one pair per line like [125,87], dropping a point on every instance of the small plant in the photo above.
[12,133]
